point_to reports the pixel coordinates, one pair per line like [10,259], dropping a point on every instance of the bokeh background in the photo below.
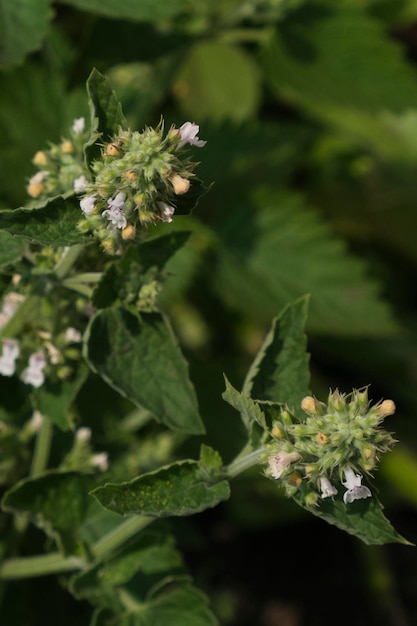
[309,109]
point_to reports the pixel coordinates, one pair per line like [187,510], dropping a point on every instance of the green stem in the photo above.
[244,461]
[42,448]
[25,310]
[45,564]
[67,260]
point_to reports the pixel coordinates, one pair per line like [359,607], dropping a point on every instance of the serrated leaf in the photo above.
[11,248]
[56,502]
[139,10]
[280,371]
[274,250]
[23,26]
[176,603]
[139,357]
[218,81]
[54,400]
[52,224]
[362,518]
[248,408]
[182,488]
[335,58]
[105,113]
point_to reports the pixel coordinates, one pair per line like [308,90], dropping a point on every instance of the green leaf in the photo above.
[274,249]
[175,603]
[52,224]
[183,488]
[248,408]
[23,26]
[334,58]
[56,502]
[280,371]
[139,10]
[10,248]
[105,112]
[54,400]
[140,358]
[362,518]
[218,81]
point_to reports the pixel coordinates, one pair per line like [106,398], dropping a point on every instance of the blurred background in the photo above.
[309,109]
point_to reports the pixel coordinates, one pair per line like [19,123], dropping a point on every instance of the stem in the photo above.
[244,461]
[42,448]
[67,260]
[45,564]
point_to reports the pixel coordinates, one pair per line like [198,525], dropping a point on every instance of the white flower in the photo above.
[10,304]
[278,463]
[87,204]
[326,488]
[166,211]
[100,460]
[78,125]
[72,335]
[80,184]
[36,421]
[83,433]
[115,212]
[33,373]
[9,355]
[355,490]
[188,134]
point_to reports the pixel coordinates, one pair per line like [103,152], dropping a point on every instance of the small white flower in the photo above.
[326,488]
[10,303]
[188,134]
[355,490]
[72,335]
[38,177]
[80,184]
[33,373]
[100,460]
[36,421]
[87,204]
[9,355]
[278,463]
[166,211]
[115,212]
[83,434]
[78,125]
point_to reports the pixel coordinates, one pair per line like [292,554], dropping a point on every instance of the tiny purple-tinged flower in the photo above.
[326,488]
[80,184]
[115,212]
[8,357]
[166,211]
[188,134]
[100,460]
[278,463]
[87,204]
[33,373]
[355,490]
[78,126]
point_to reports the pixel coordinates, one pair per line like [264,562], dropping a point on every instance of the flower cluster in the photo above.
[61,167]
[137,181]
[336,444]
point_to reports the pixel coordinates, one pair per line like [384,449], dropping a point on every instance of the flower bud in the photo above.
[322,439]
[129,232]
[40,158]
[131,176]
[387,407]
[112,150]
[35,189]
[277,431]
[67,146]
[310,405]
[180,185]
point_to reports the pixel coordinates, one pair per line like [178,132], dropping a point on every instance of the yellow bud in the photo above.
[131,176]
[387,407]
[67,146]
[139,198]
[40,158]
[34,189]
[108,246]
[309,469]
[322,439]
[295,479]
[368,453]
[129,232]
[310,405]
[312,499]
[277,431]
[112,149]
[180,185]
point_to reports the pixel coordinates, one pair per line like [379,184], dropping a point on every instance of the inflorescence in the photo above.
[335,445]
[136,182]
